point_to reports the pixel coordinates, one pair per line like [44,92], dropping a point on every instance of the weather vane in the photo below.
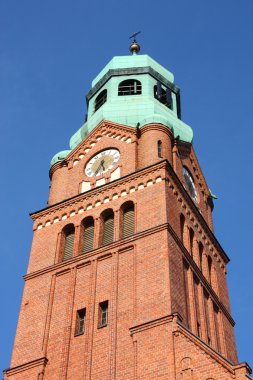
[134,47]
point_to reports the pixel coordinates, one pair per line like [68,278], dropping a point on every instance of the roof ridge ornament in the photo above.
[134,47]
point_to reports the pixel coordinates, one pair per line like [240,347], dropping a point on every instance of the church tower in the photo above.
[126,279]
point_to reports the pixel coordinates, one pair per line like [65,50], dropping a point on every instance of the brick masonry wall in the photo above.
[141,276]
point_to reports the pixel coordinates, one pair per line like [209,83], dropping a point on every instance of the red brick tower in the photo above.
[126,279]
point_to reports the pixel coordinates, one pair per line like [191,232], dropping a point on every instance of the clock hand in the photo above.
[98,168]
[100,165]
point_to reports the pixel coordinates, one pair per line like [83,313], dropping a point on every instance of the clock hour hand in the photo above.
[99,166]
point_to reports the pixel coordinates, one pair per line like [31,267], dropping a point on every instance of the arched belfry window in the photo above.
[68,245]
[100,99]
[88,234]
[163,95]
[129,87]
[107,227]
[128,220]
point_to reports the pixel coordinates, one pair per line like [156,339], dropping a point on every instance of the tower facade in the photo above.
[126,279]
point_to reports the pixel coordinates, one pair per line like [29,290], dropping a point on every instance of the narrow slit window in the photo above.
[191,241]
[103,314]
[80,321]
[159,148]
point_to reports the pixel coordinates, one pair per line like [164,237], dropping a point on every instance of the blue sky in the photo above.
[49,53]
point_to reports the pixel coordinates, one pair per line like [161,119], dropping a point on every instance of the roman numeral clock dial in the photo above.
[102,162]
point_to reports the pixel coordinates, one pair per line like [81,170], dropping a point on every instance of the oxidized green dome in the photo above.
[107,101]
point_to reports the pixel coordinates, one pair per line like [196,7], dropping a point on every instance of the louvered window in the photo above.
[69,244]
[108,232]
[88,237]
[128,222]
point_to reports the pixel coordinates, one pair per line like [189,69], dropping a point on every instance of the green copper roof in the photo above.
[132,61]
[131,110]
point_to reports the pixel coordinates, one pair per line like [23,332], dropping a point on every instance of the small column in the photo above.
[202,312]
[195,250]
[97,228]
[212,323]
[192,301]
[187,238]
[117,225]
[77,241]
[205,266]
[221,333]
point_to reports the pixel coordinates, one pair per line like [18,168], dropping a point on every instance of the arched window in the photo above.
[88,234]
[108,227]
[128,225]
[210,264]
[159,149]
[163,95]
[68,244]
[129,87]
[100,99]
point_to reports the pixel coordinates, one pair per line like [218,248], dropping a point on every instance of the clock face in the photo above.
[190,184]
[102,162]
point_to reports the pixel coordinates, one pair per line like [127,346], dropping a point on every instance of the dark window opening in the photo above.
[201,249]
[159,149]
[103,314]
[80,321]
[210,264]
[162,95]
[100,99]
[182,226]
[198,329]
[129,87]
[191,241]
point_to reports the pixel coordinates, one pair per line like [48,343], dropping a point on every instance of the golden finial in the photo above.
[134,47]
